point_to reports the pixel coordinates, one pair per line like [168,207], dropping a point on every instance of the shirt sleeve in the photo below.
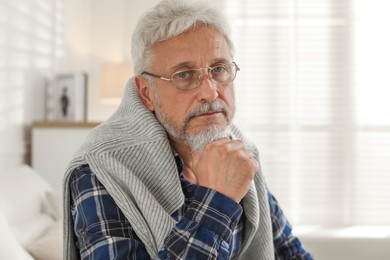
[203,232]
[287,246]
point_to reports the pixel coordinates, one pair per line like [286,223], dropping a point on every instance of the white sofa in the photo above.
[30,217]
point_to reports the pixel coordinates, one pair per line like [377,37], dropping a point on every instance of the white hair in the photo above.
[170,18]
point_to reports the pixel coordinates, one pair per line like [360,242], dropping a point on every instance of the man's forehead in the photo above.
[199,41]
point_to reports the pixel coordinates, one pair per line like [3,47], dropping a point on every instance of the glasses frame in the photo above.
[201,71]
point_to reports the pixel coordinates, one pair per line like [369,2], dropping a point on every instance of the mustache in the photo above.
[215,106]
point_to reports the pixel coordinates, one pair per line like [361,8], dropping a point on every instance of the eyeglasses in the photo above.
[192,78]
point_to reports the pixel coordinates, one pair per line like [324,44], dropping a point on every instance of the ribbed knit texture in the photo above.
[131,156]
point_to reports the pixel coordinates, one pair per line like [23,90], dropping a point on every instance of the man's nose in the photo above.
[208,89]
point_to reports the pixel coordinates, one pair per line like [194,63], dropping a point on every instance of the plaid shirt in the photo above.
[209,225]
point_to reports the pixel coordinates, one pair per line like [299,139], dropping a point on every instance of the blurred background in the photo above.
[313,94]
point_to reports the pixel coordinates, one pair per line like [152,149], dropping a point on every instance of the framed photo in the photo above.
[67,98]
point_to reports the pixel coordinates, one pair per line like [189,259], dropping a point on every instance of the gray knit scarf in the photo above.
[131,156]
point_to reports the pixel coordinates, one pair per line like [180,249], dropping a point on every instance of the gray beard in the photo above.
[197,141]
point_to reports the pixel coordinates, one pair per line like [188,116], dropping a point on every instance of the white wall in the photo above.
[95,32]
[28,45]
[99,32]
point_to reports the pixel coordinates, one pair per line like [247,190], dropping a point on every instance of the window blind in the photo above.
[371,200]
[297,100]
[31,43]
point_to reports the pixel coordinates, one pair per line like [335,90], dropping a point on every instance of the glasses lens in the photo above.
[187,79]
[223,73]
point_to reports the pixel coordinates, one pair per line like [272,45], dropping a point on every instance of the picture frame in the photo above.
[67,98]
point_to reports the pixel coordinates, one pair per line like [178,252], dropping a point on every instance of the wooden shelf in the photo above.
[53,124]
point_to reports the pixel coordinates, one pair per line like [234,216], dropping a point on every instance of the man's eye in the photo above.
[183,75]
[219,69]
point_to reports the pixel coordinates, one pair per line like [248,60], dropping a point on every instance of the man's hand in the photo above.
[227,167]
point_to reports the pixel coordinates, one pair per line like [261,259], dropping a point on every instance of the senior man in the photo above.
[168,175]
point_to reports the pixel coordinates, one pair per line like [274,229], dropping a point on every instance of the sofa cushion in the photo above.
[9,246]
[32,229]
[49,246]
[52,204]
[21,194]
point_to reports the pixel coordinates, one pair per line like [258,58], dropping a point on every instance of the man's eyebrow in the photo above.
[185,64]
[221,60]
[189,64]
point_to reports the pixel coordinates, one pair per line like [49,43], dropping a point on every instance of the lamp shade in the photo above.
[113,79]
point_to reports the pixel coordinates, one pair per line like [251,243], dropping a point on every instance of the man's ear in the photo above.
[145,92]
